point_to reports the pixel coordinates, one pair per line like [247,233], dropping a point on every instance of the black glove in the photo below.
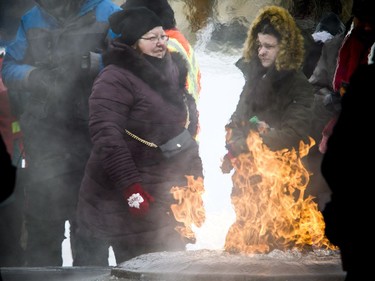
[226,165]
[41,80]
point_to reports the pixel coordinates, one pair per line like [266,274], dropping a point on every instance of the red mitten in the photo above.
[138,200]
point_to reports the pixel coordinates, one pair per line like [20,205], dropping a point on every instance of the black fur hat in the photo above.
[160,7]
[132,23]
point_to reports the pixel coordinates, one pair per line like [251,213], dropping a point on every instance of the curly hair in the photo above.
[282,25]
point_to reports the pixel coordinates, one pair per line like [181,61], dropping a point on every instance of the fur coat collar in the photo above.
[152,73]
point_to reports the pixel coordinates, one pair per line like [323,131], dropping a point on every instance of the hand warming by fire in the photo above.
[268,197]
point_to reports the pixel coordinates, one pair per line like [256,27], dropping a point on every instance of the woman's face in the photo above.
[268,49]
[154,42]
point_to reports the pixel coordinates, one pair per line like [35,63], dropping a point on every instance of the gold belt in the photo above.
[150,144]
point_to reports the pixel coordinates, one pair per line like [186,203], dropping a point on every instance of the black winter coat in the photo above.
[282,99]
[350,210]
[131,93]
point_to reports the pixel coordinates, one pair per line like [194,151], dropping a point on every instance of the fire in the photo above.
[268,198]
[190,209]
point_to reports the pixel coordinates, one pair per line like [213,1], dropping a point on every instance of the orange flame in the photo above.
[268,198]
[189,210]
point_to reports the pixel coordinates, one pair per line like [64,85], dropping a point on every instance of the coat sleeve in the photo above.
[109,103]
[295,121]
[14,71]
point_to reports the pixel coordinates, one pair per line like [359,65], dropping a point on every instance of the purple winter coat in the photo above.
[132,93]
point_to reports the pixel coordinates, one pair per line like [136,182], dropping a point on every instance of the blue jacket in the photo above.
[54,117]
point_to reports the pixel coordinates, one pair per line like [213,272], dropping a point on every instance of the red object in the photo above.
[327,132]
[353,52]
[9,126]
[6,118]
[138,200]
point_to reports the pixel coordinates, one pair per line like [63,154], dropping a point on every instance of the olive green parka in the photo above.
[281,95]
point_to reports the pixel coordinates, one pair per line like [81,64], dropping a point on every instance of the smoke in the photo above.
[221,85]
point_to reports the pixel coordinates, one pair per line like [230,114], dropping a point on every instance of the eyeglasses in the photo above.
[155,39]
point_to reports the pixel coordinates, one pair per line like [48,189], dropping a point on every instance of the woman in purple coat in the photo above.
[138,103]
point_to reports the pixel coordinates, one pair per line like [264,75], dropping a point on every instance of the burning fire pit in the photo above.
[278,233]
[269,199]
[268,195]
[212,265]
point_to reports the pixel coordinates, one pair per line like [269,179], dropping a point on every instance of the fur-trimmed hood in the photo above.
[128,58]
[292,51]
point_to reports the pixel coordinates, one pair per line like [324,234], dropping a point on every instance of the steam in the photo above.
[222,83]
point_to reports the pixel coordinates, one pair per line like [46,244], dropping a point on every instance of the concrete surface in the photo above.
[199,265]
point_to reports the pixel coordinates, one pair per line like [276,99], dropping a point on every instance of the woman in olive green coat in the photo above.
[277,97]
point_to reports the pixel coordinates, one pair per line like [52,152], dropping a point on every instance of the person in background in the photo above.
[350,209]
[138,106]
[276,94]
[8,184]
[329,34]
[8,176]
[329,26]
[10,15]
[177,41]
[341,54]
[354,51]
[321,80]
[11,212]
[49,69]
